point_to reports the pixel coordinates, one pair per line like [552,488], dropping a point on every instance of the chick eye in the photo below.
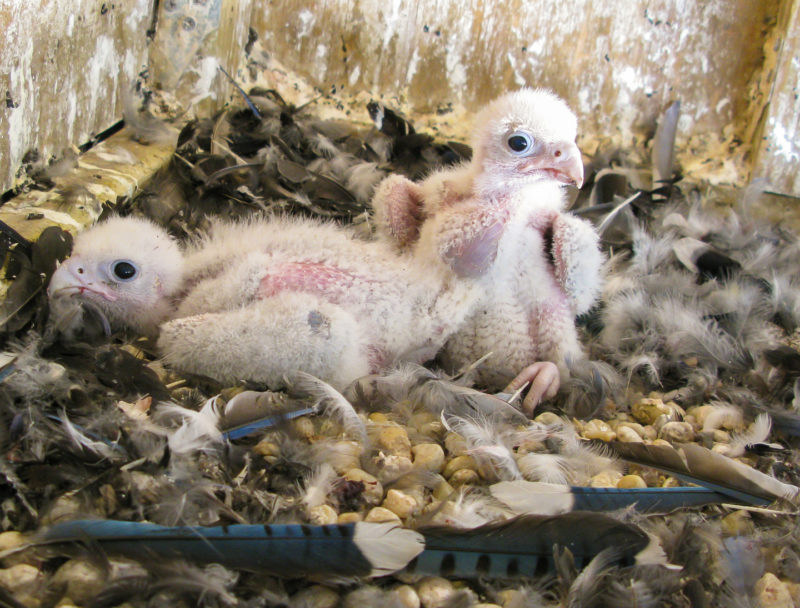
[519,142]
[124,270]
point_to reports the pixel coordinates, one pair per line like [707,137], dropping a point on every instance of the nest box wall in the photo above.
[63,66]
[732,63]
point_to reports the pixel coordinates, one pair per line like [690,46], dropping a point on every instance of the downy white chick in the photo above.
[260,300]
[499,221]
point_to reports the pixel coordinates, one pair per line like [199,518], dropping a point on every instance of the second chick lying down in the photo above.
[257,301]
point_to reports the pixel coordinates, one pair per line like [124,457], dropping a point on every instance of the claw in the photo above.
[545,381]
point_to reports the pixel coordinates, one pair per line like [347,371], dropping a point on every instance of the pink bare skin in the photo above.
[499,221]
[544,379]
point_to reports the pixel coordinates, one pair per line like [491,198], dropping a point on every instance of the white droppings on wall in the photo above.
[102,69]
[354,74]
[412,66]
[72,112]
[62,64]
[782,143]
[207,72]
[306,20]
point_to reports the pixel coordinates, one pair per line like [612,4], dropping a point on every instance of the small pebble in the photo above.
[681,432]
[394,439]
[315,596]
[465,461]
[349,517]
[631,481]
[391,467]
[670,482]
[381,515]
[400,503]
[304,427]
[720,436]
[737,523]
[626,434]
[605,479]
[373,489]
[598,429]
[435,592]
[378,418]
[19,578]
[650,476]
[455,444]
[648,410]
[421,419]
[773,593]
[433,429]
[794,590]
[634,426]
[649,432]
[268,450]
[548,419]
[464,477]
[345,455]
[442,489]
[511,598]
[428,457]
[662,420]
[11,540]
[322,514]
[405,596]
[82,579]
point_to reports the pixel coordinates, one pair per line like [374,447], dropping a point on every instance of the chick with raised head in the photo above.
[260,300]
[499,222]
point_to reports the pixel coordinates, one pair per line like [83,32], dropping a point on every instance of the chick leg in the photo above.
[578,260]
[545,380]
[268,340]
[398,210]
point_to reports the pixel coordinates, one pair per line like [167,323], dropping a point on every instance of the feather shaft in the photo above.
[537,498]
[523,546]
[347,550]
[251,427]
[695,464]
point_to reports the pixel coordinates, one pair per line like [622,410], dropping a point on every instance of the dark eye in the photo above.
[519,143]
[123,270]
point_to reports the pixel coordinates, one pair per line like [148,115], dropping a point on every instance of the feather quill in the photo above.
[695,464]
[292,551]
[523,546]
[539,498]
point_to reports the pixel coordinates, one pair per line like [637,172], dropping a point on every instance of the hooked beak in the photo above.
[71,278]
[561,161]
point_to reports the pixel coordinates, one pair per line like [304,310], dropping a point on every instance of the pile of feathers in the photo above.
[698,320]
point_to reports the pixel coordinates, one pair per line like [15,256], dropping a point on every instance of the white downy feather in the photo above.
[485,443]
[333,403]
[318,486]
[757,433]
[198,431]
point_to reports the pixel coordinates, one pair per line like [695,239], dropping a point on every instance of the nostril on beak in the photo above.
[79,270]
[557,153]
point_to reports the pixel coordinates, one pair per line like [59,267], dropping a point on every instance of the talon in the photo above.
[545,381]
